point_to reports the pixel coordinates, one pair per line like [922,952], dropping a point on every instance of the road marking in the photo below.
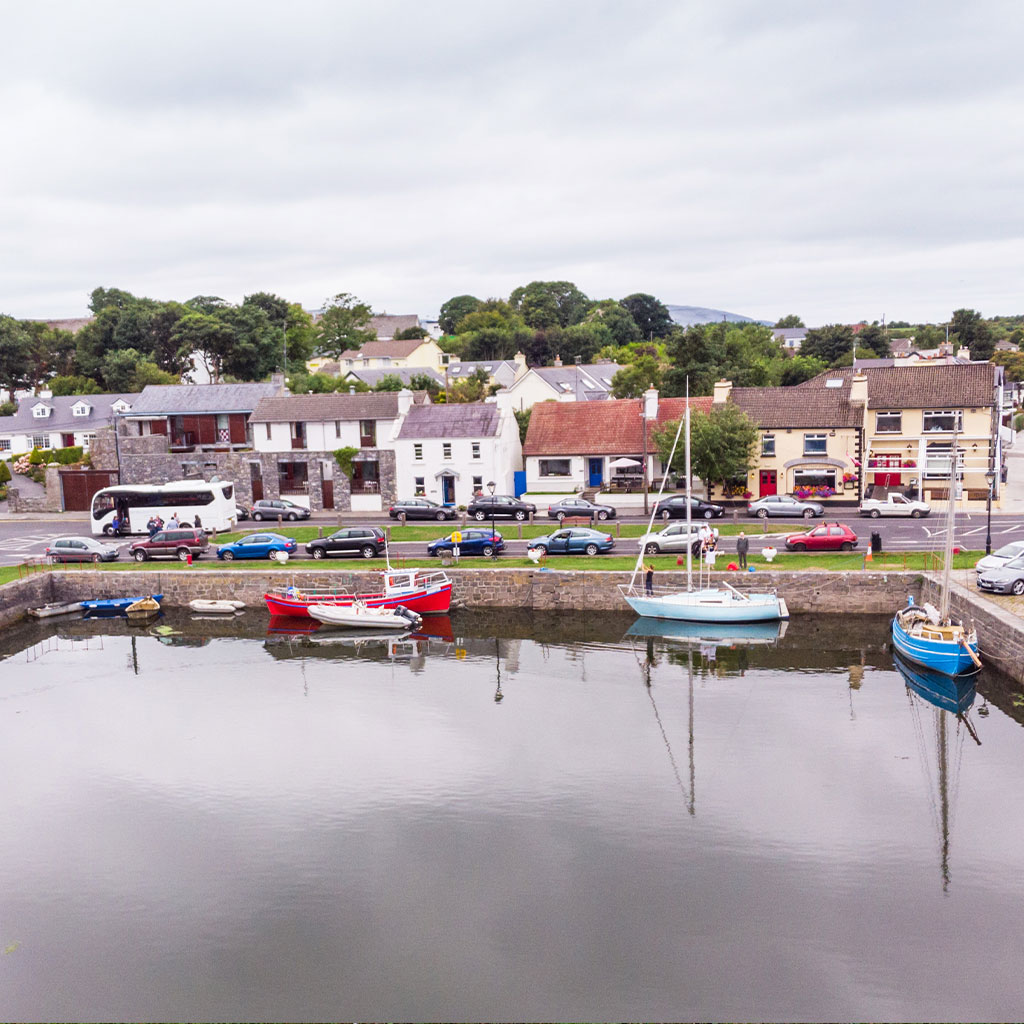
[968,533]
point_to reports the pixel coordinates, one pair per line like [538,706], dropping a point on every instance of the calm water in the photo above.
[232,823]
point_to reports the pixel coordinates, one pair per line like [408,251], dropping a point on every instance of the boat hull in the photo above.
[709,606]
[357,616]
[428,601]
[949,657]
[118,604]
[954,694]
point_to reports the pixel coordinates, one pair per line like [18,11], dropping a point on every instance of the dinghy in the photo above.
[362,616]
[211,606]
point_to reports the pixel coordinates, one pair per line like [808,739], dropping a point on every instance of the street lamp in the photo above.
[490,487]
[990,479]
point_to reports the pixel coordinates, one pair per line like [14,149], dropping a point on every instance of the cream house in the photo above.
[383,355]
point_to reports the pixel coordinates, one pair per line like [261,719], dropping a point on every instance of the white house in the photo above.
[574,383]
[450,452]
[503,372]
[59,422]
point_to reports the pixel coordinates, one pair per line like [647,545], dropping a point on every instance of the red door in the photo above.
[767,483]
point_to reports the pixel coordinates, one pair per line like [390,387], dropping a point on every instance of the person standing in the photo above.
[649,579]
[172,523]
[742,547]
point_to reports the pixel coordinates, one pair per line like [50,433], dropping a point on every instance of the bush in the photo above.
[62,456]
[5,472]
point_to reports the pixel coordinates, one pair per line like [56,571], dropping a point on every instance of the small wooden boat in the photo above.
[362,616]
[144,608]
[55,608]
[210,606]
[117,604]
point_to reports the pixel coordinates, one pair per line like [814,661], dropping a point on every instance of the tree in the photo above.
[411,333]
[208,337]
[147,372]
[343,325]
[256,349]
[389,382]
[633,380]
[801,368]
[119,368]
[790,320]
[15,355]
[973,333]
[723,444]
[651,316]
[73,385]
[874,337]
[493,333]
[523,419]
[828,342]
[101,298]
[549,303]
[276,308]
[698,355]
[454,310]
[617,319]
[424,382]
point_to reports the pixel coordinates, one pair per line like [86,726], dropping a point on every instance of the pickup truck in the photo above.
[894,505]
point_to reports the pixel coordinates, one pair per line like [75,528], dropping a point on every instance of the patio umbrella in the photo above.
[623,463]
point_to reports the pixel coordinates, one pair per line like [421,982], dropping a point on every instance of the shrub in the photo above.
[5,473]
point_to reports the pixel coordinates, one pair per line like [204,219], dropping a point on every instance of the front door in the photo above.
[256,480]
[448,490]
[596,471]
[767,483]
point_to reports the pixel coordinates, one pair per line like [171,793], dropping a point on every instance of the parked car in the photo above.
[675,508]
[257,545]
[1007,578]
[178,544]
[576,540]
[894,504]
[576,506]
[366,541]
[827,537]
[498,506]
[241,513]
[473,542]
[421,508]
[272,508]
[81,549]
[671,539]
[1001,557]
[784,505]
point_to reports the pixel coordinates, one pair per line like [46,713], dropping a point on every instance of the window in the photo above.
[419,487]
[767,445]
[268,431]
[40,440]
[367,433]
[888,422]
[80,409]
[555,467]
[87,441]
[804,479]
[476,449]
[814,444]
[337,428]
[5,444]
[478,484]
[937,456]
[446,450]
[40,411]
[417,452]
[945,420]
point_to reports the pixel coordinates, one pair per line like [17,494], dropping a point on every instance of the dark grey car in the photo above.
[1005,579]
[365,541]
[499,506]
[275,508]
[784,505]
[576,506]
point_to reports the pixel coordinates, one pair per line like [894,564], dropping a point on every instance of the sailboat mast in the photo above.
[689,504]
[947,566]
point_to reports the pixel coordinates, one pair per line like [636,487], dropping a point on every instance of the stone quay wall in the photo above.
[18,596]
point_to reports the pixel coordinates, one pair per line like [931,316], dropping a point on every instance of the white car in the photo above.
[672,539]
[999,558]
[894,504]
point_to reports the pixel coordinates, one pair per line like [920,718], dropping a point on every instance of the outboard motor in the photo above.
[410,616]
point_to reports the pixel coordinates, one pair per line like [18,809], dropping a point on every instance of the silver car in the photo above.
[784,505]
[80,549]
[1005,579]
[999,558]
[672,539]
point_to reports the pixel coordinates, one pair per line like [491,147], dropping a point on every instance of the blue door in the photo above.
[596,472]
[448,490]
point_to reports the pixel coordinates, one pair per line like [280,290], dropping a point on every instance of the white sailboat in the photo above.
[719,603]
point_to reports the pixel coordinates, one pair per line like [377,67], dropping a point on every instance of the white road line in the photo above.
[968,533]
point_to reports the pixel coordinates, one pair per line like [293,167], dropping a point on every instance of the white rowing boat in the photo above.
[361,616]
[216,607]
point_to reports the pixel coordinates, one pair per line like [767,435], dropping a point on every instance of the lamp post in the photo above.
[990,479]
[490,487]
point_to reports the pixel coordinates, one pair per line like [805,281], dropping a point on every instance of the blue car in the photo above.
[257,545]
[474,542]
[576,541]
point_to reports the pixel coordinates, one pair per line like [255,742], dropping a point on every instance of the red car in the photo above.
[827,537]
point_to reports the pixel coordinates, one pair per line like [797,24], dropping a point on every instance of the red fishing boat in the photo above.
[422,591]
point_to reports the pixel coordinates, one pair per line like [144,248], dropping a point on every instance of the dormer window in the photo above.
[120,406]
[80,409]
[40,411]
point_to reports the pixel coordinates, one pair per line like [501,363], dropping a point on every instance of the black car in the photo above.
[499,506]
[272,508]
[241,513]
[675,508]
[366,541]
[421,508]
[576,506]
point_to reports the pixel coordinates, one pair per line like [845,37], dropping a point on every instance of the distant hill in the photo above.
[687,315]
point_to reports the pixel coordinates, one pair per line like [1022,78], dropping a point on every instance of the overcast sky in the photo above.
[837,160]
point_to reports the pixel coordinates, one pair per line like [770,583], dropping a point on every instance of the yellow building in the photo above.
[844,433]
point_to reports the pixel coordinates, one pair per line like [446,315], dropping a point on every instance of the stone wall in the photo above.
[20,595]
[51,500]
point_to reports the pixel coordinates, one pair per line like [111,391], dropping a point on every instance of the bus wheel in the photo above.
[107,530]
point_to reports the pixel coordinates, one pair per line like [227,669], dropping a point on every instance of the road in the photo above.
[27,538]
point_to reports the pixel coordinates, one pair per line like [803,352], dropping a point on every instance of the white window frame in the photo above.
[895,415]
[80,409]
[767,446]
[476,449]
[810,453]
[5,444]
[956,414]
[40,411]
[44,439]
[446,450]
[419,489]
[417,451]
[544,468]
[811,472]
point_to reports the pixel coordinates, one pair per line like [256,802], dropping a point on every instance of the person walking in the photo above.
[649,579]
[742,547]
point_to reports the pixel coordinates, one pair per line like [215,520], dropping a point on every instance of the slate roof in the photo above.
[179,399]
[458,368]
[586,382]
[380,405]
[932,386]
[404,373]
[612,427]
[476,419]
[385,349]
[100,414]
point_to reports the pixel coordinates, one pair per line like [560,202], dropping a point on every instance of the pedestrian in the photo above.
[742,547]
[198,523]
[153,526]
[115,525]
[649,579]
[172,523]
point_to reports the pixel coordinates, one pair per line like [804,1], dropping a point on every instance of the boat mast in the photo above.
[689,504]
[947,568]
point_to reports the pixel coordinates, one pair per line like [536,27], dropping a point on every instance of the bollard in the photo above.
[320,532]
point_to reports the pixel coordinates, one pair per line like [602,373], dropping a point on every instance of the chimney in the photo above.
[723,388]
[558,360]
[651,403]
[351,389]
[859,390]
[277,379]
[404,401]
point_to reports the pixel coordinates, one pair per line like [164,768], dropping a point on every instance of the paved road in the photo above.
[27,538]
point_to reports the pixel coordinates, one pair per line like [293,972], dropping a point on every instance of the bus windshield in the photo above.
[128,509]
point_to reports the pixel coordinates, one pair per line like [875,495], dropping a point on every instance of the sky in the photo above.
[842,161]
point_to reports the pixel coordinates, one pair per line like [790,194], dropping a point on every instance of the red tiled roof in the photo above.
[598,428]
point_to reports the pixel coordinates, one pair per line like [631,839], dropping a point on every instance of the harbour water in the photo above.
[504,818]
